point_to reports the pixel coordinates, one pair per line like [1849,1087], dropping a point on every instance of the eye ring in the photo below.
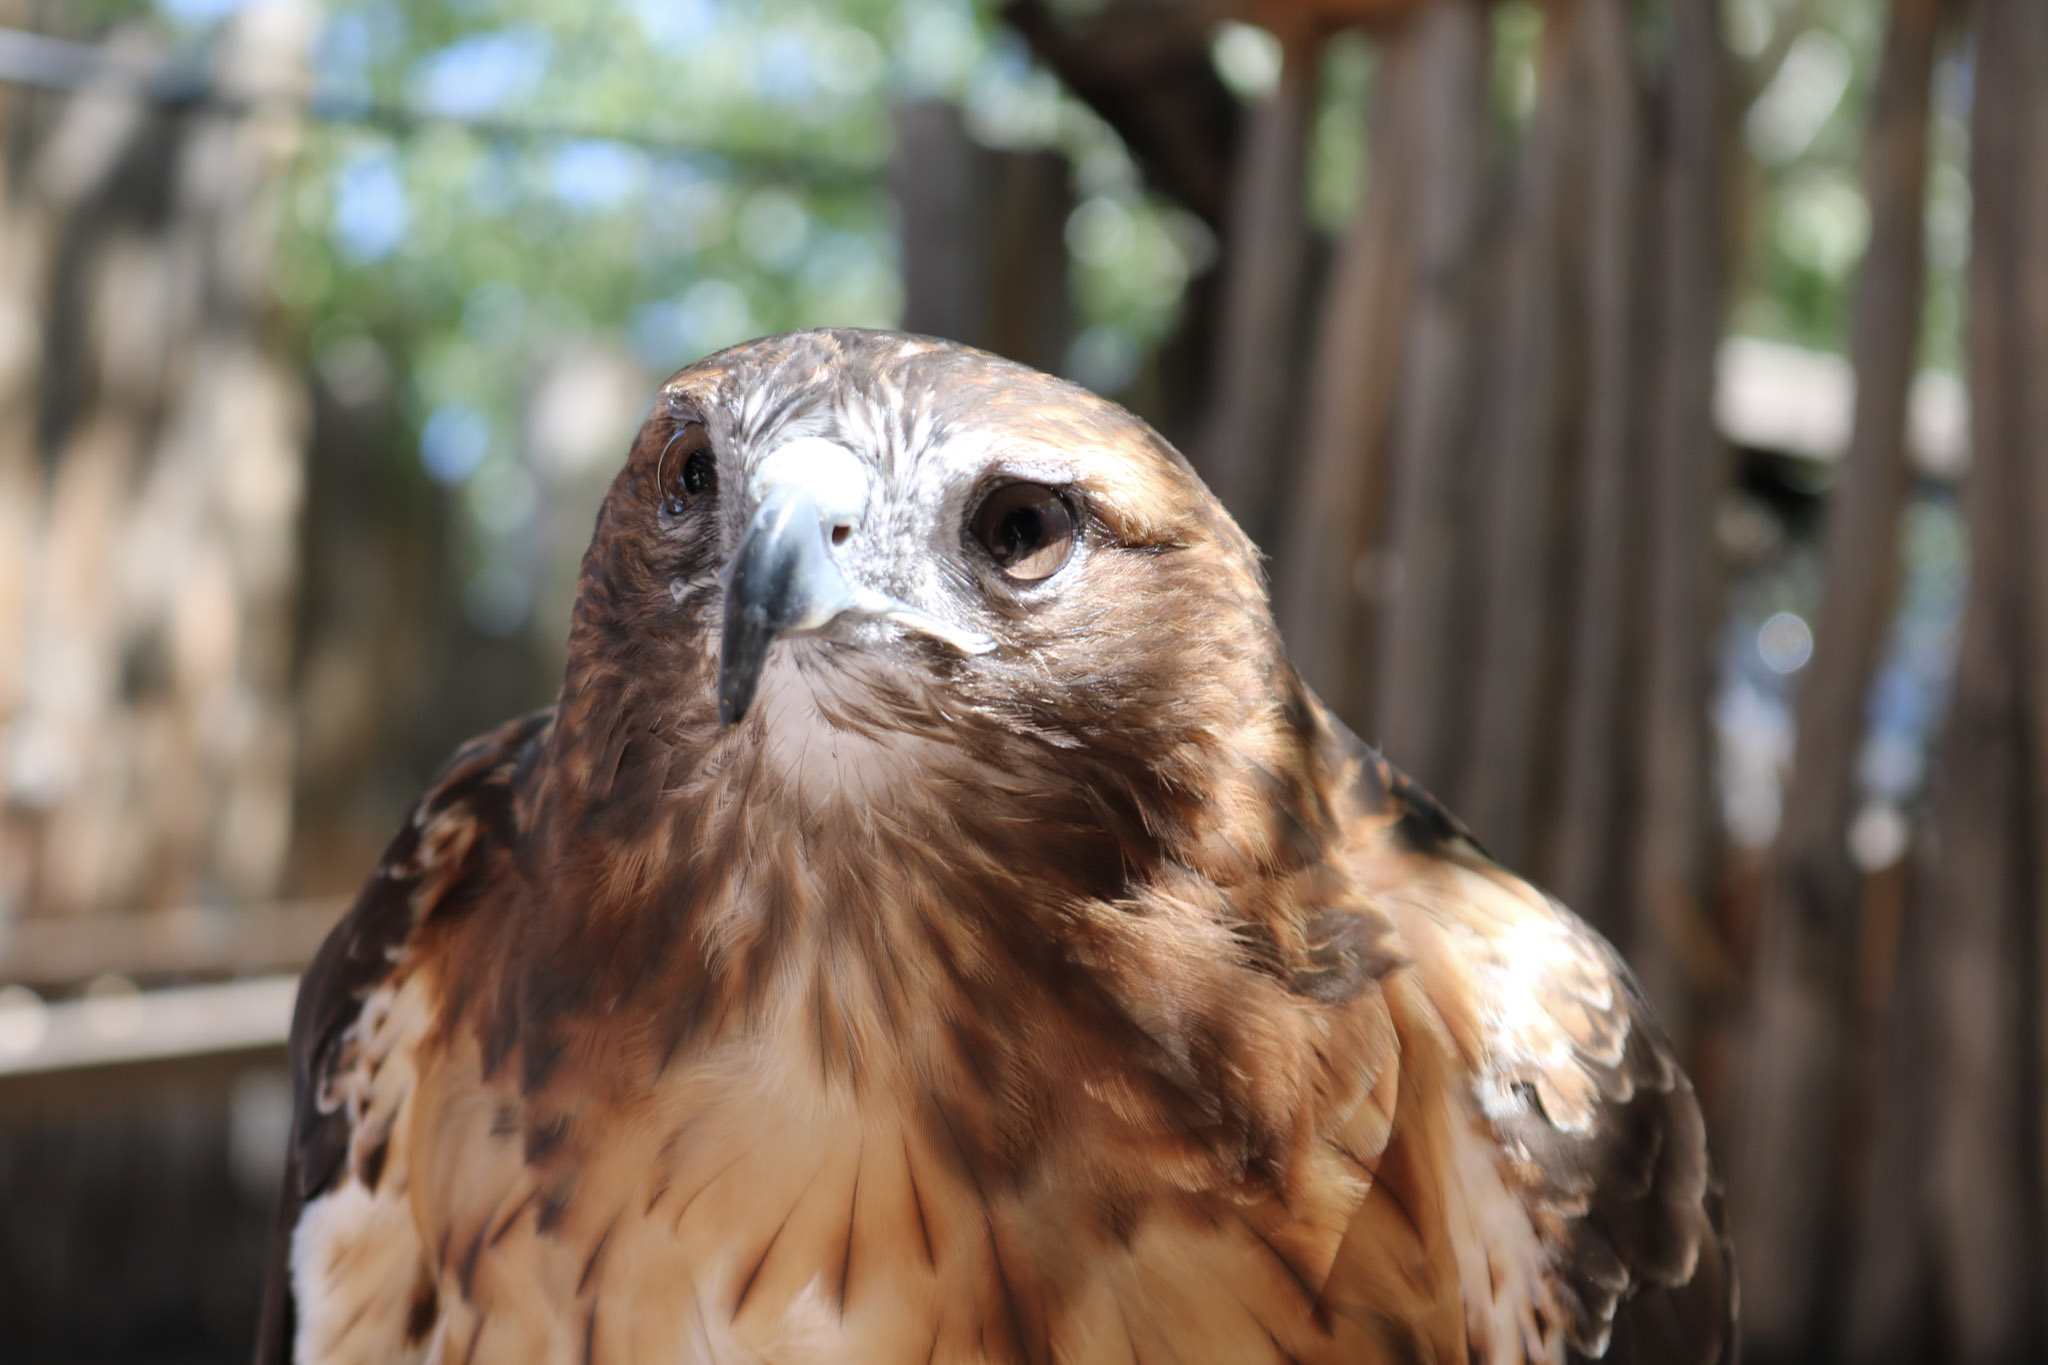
[1028,529]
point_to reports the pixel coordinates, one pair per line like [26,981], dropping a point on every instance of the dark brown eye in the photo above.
[695,477]
[1027,528]
[700,474]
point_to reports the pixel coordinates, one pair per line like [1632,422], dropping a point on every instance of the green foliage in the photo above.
[515,217]
[1337,140]
[1811,68]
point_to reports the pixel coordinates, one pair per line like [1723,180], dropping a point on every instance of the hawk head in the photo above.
[878,561]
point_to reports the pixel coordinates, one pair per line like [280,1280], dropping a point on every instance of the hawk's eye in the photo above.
[1027,528]
[700,474]
[696,478]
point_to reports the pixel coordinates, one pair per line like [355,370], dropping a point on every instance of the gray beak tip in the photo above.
[740,661]
[731,712]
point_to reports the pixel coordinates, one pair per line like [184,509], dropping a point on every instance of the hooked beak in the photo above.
[783,581]
[784,578]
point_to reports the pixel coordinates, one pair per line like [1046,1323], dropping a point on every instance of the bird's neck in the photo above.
[1006,947]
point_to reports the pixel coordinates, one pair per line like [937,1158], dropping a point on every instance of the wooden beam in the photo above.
[1517,489]
[1326,601]
[1247,446]
[90,1051]
[1416,706]
[1985,1229]
[1595,743]
[1796,1054]
[60,951]
[1687,475]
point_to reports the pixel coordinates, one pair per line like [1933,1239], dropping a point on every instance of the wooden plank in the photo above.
[1416,709]
[1030,318]
[1886,1311]
[1688,472]
[1985,1229]
[77,1053]
[1521,473]
[1325,591]
[162,545]
[2031,298]
[61,951]
[940,181]
[1594,747]
[1788,1209]
[1248,439]
[985,258]
[146,1026]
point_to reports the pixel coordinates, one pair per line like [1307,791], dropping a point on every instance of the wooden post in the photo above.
[1987,1232]
[1517,490]
[984,250]
[1250,431]
[939,178]
[1326,584]
[1687,475]
[1884,1312]
[148,716]
[1416,710]
[1594,748]
[1789,1197]
[1029,317]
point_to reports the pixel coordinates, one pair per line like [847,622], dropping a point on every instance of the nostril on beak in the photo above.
[841,533]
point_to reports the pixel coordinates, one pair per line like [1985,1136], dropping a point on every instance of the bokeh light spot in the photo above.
[478,74]
[24,1019]
[1785,641]
[370,209]
[1247,58]
[454,442]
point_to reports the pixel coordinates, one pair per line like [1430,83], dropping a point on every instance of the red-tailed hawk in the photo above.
[935,923]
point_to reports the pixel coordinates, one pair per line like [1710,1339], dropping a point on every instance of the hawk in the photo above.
[934,922]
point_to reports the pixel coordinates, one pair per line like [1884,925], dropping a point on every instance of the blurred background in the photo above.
[1641,404]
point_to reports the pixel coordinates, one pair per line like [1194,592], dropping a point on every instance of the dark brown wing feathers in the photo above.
[1638,1199]
[424,863]
[1628,1203]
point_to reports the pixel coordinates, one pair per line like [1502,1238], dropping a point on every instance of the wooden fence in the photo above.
[1476,434]
[1480,449]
